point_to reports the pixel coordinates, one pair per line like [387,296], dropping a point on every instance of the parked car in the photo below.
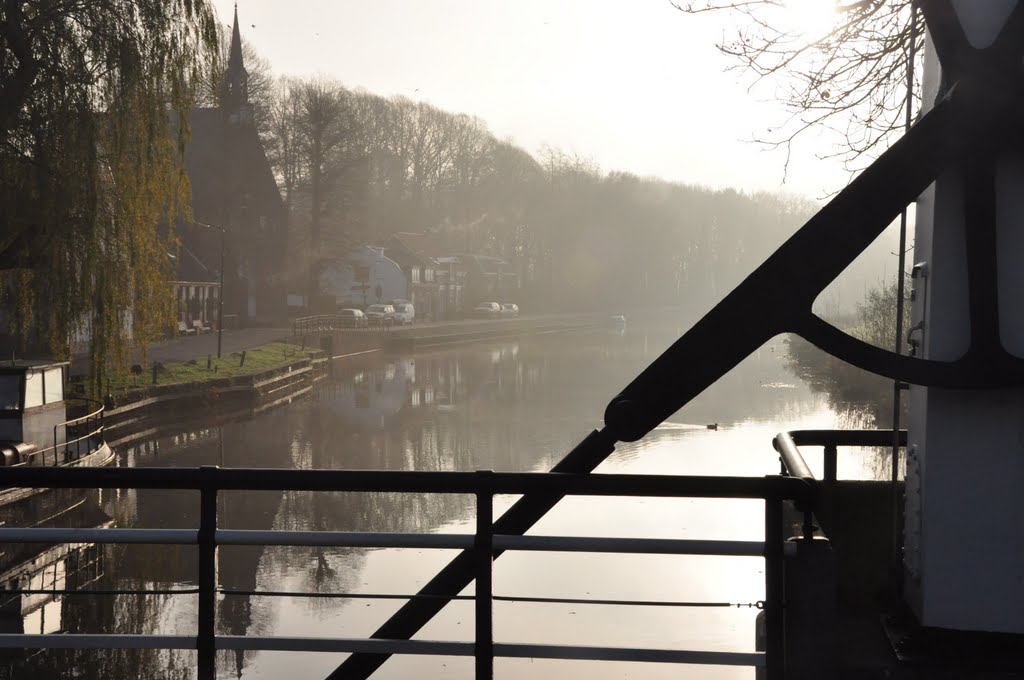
[352,318]
[487,310]
[404,312]
[509,309]
[380,315]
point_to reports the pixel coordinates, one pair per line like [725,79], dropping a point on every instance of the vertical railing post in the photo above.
[206,641]
[774,590]
[484,547]
[831,455]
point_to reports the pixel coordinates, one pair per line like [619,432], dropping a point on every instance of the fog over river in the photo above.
[509,406]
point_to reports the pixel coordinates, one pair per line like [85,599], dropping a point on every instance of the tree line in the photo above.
[355,167]
[91,179]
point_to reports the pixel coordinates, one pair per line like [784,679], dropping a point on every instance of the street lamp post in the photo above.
[220,295]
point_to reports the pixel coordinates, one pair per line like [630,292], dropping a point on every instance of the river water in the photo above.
[510,406]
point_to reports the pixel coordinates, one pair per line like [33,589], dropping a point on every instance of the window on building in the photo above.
[10,392]
[53,385]
[33,390]
[428,274]
[415,274]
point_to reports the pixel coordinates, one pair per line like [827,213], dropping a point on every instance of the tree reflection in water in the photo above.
[515,405]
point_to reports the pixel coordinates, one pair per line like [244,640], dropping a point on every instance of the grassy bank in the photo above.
[256,360]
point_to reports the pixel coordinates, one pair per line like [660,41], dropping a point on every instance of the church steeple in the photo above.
[235,92]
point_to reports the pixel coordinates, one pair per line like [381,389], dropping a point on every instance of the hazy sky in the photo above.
[633,84]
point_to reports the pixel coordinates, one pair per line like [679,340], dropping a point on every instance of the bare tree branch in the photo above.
[848,77]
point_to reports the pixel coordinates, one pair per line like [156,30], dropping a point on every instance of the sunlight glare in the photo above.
[811,18]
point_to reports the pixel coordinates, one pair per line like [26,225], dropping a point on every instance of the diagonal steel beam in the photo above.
[778,296]
[946,33]
[772,299]
[1010,42]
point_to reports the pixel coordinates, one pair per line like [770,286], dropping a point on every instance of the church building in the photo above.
[233,188]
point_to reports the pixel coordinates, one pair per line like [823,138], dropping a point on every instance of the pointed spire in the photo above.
[235,58]
[235,90]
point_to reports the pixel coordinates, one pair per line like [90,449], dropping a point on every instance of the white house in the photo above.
[363,277]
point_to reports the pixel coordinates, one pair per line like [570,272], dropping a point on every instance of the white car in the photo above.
[380,315]
[487,310]
[351,318]
[404,312]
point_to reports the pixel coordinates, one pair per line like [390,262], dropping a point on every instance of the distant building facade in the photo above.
[364,277]
[444,284]
[233,188]
[489,279]
[435,278]
[196,291]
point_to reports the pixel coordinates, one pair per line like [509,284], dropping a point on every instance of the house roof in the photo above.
[224,160]
[486,263]
[29,365]
[424,247]
[189,268]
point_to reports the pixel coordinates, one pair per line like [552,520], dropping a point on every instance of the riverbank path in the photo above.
[187,347]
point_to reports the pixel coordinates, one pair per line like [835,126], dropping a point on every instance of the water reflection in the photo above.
[507,406]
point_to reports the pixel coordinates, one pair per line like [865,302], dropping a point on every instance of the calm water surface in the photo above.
[516,406]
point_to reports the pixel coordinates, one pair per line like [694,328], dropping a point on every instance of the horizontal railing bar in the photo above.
[528,651]
[70,443]
[125,536]
[407,481]
[92,414]
[101,592]
[382,596]
[383,540]
[95,641]
[846,437]
[663,546]
[496,598]
[353,645]
[340,596]
[618,603]
[510,650]
[376,646]
[350,539]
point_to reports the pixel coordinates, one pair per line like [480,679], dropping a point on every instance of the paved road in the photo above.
[188,347]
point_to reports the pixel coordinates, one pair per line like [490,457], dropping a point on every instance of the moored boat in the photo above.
[35,427]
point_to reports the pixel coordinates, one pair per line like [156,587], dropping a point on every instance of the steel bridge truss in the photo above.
[975,118]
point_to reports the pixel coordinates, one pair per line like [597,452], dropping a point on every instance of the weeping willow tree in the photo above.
[94,99]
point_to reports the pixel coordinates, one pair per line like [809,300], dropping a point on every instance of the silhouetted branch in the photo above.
[848,76]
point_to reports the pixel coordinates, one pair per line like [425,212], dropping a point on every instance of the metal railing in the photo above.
[481,547]
[82,436]
[335,322]
[793,464]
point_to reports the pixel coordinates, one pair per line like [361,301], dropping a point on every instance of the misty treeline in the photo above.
[355,167]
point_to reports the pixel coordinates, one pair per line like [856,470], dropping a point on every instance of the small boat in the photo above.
[35,427]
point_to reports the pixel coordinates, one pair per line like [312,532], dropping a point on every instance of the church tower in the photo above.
[234,99]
